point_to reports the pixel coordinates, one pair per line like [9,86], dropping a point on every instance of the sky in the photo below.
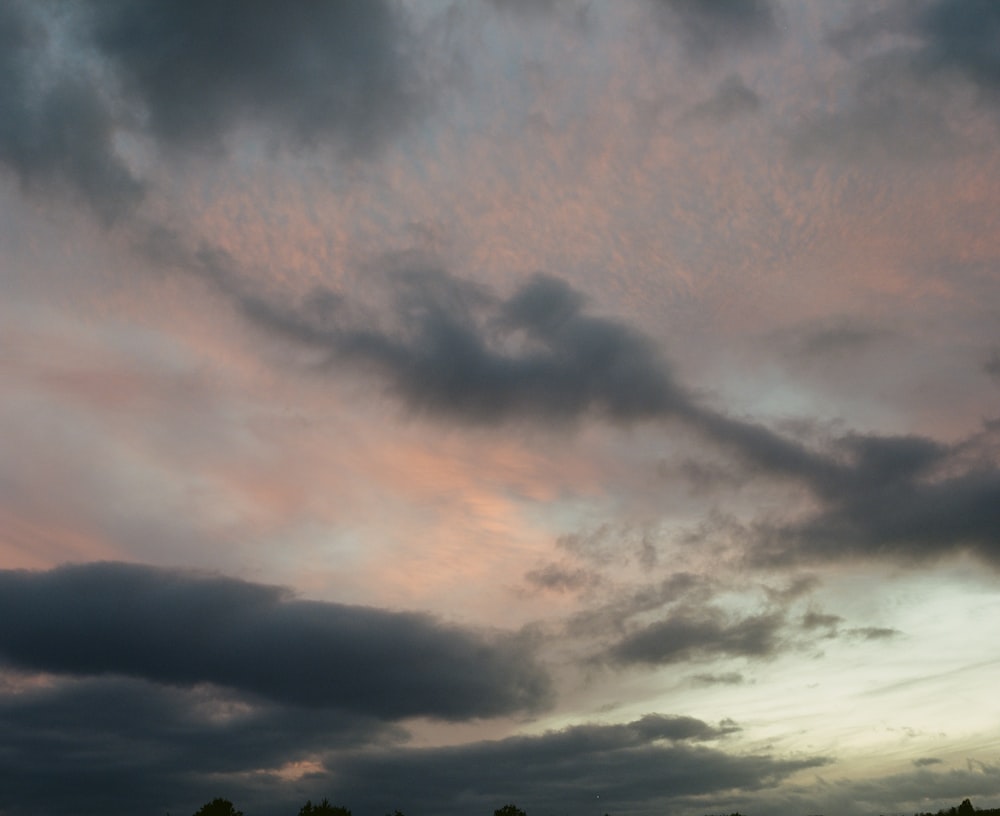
[587,404]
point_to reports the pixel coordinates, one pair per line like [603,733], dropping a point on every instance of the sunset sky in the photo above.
[587,404]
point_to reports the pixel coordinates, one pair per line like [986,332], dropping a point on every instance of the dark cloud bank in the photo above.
[161,689]
[118,746]
[180,629]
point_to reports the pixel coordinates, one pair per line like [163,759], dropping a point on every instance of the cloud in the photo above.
[309,73]
[637,767]
[819,620]
[118,745]
[694,634]
[458,351]
[561,578]
[183,629]
[77,80]
[724,679]
[121,746]
[711,28]
[962,35]
[57,129]
[992,365]
[907,498]
[450,349]
[911,65]
[732,99]
[873,633]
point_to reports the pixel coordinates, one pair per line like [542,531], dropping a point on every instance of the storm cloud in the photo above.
[182,629]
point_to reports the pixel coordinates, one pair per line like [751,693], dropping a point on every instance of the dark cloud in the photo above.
[74,78]
[115,747]
[717,26]
[923,762]
[732,99]
[56,129]
[182,629]
[819,620]
[695,634]
[561,578]
[873,633]
[992,365]
[835,338]
[451,349]
[310,72]
[963,35]
[906,498]
[640,767]
[119,746]
[908,65]
[527,8]
[459,351]
[724,679]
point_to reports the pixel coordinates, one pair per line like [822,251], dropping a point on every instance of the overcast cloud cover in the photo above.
[434,405]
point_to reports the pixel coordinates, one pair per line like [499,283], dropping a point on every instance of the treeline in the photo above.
[964,809]
[223,807]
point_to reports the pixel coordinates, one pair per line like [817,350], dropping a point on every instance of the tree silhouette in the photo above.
[966,808]
[219,807]
[324,808]
[509,810]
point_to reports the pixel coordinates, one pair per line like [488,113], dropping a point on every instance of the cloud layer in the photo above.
[179,629]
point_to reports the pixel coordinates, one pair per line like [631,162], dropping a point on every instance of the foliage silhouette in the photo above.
[509,810]
[218,807]
[324,808]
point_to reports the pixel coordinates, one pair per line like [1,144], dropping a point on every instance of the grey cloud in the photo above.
[923,762]
[448,348]
[56,129]
[459,351]
[732,99]
[905,498]
[75,77]
[120,746]
[561,578]
[873,633]
[992,365]
[183,629]
[832,339]
[724,679]
[962,35]
[694,634]
[310,71]
[712,27]
[643,767]
[527,8]
[613,616]
[906,59]
[819,620]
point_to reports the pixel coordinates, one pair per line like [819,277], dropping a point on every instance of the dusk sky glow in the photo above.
[587,404]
